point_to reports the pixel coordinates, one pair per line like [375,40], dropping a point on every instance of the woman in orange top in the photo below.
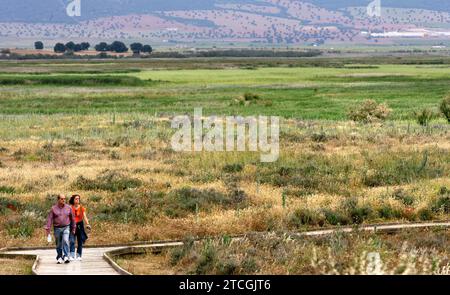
[80,234]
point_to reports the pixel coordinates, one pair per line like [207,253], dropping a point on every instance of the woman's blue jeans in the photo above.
[77,237]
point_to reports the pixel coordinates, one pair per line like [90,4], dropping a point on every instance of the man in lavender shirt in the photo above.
[63,220]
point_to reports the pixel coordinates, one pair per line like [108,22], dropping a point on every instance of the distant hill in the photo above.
[54,10]
[418,4]
[261,21]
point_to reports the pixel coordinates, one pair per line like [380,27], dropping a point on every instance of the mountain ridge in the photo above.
[261,21]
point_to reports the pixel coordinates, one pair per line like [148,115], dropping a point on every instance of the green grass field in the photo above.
[302,92]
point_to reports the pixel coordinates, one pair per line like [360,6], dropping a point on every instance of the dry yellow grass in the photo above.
[38,164]
[15,266]
[407,252]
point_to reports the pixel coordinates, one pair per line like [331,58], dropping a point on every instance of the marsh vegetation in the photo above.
[102,130]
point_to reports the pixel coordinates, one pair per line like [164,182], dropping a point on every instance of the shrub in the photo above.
[8,204]
[187,200]
[357,213]
[95,198]
[251,96]
[227,267]
[7,189]
[40,206]
[319,137]
[234,192]
[22,227]
[369,112]
[336,218]
[179,253]
[302,217]
[441,204]
[233,168]
[128,208]
[403,197]
[247,99]
[424,117]
[445,108]
[112,181]
[425,214]
[207,259]
[402,167]
[388,212]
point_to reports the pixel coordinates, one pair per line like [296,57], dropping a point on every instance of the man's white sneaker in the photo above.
[66,260]
[79,258]
[59,261]
[71,258]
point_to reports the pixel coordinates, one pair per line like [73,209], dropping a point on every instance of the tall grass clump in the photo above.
[424,117]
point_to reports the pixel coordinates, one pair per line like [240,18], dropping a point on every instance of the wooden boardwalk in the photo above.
[95,263]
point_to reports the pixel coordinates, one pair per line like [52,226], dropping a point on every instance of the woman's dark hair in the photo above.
[72,199]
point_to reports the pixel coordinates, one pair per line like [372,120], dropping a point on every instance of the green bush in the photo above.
[227,266]
[336,218]
[95,198]
[112,181]
[369,111]
[233,168]
[425,214]
[251,96]
[208,257]
[247,99]
[445,108]
[388,212]
[302,217]
[130,207]
[187,200]
[234,192]
[403,197]
[8,204]
[403,167]
[178,253]
[358,213]
[441,204]
[319,137]
[7,189]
